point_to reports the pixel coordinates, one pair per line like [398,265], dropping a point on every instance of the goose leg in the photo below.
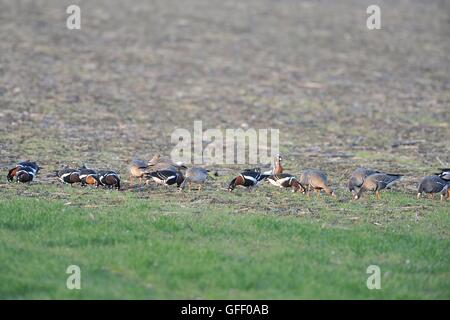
[377,193]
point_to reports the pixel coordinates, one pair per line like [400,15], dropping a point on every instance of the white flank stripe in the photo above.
[250,178]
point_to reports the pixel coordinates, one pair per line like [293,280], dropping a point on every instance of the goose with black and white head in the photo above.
[109,179]
[286,180]
[247,179]
[27,169]
[167,177]
[69,175]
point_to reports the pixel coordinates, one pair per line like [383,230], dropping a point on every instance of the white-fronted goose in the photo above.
[159,163]
[357,178]
[432,185]
[138,169]
[377,182]
[316,180]
[195,175]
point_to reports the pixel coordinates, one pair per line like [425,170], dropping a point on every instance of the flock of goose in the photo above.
[166,172]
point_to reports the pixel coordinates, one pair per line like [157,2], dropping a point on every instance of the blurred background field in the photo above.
[341,95]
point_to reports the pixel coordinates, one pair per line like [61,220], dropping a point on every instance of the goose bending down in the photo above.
[138,169]
[247,179]
[285,180]
[158,163]
[377,182]
[432,185]
[88,176]
[68,175]
[108,178]
[26,169]
[167,177]
[25,176]
[194,175]
[357,178]
[316,180]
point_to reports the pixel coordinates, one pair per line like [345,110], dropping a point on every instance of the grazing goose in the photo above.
[194,175]
[68,175]
[316,180]
[167,177]
[25,176]
[108,179]
[431,185]
[138,169]
[377,182]
[285,180]
[163,166]
[161,163]
[88,176]
[32,166]
[357,178]
[247,179]
[23,167]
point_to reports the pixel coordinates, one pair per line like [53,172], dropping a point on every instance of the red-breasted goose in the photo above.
[285,180]
[247,179]
[109,179]
[68,175]
[167,177]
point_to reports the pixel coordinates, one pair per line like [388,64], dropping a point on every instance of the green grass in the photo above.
[146,245]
